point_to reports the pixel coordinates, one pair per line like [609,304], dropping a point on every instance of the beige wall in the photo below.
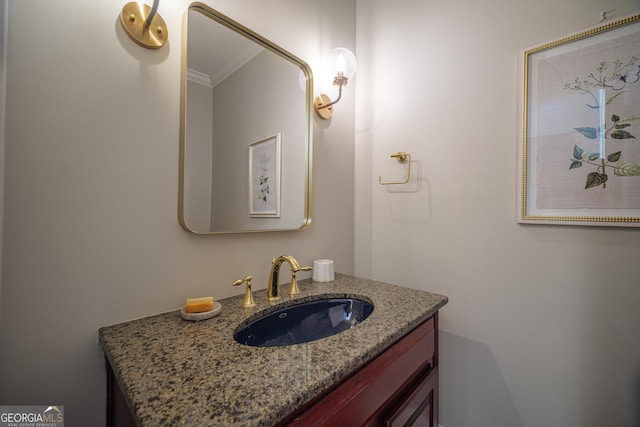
[276,108]
[198,158]
[91,235]
[541,328]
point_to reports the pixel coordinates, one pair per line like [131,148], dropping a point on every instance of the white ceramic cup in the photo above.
[323,270]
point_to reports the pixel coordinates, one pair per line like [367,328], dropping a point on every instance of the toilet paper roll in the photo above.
[323,270]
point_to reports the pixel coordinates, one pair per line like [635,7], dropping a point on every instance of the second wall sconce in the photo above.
[343,62]
[144,25]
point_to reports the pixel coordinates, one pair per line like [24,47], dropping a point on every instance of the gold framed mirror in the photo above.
[245,130]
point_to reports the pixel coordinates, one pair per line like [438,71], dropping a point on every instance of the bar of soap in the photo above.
[198,305]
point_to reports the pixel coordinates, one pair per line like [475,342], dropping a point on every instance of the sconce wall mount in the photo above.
[343,63]
[143,25]
[323,106]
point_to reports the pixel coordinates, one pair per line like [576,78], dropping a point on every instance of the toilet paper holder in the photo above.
[401,157]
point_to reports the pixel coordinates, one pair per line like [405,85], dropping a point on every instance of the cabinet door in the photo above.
[419,407]
[118,412]
[364,398]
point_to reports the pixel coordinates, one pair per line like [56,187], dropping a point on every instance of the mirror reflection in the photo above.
[245,130]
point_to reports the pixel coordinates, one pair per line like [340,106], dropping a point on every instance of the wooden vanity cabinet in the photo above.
[398,388]
[118,412]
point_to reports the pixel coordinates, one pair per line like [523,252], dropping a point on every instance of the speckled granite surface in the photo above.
[179,373]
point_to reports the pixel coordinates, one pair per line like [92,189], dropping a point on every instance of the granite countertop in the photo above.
[178,373]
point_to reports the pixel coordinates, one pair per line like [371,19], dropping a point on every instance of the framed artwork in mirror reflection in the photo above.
[264,177]
[579,157]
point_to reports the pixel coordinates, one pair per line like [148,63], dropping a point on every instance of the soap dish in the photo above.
[194,317]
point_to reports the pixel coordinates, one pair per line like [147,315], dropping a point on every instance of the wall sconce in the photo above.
[150,32]
[343,62]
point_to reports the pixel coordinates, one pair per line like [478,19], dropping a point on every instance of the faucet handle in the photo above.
[248,296]
[294,289]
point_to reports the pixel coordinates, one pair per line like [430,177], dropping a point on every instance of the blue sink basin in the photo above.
[304,322]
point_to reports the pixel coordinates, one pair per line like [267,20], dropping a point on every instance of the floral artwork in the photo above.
[264,180]
[264,164]
[614,77]
[580,148]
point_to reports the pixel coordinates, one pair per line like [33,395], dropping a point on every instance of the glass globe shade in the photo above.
[342,60]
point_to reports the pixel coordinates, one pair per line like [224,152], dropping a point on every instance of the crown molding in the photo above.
[199,78]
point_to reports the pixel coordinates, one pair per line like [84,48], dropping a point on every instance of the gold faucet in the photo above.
[272,286]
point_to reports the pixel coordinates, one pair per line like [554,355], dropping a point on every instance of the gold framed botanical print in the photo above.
[264,177]
[579,157]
